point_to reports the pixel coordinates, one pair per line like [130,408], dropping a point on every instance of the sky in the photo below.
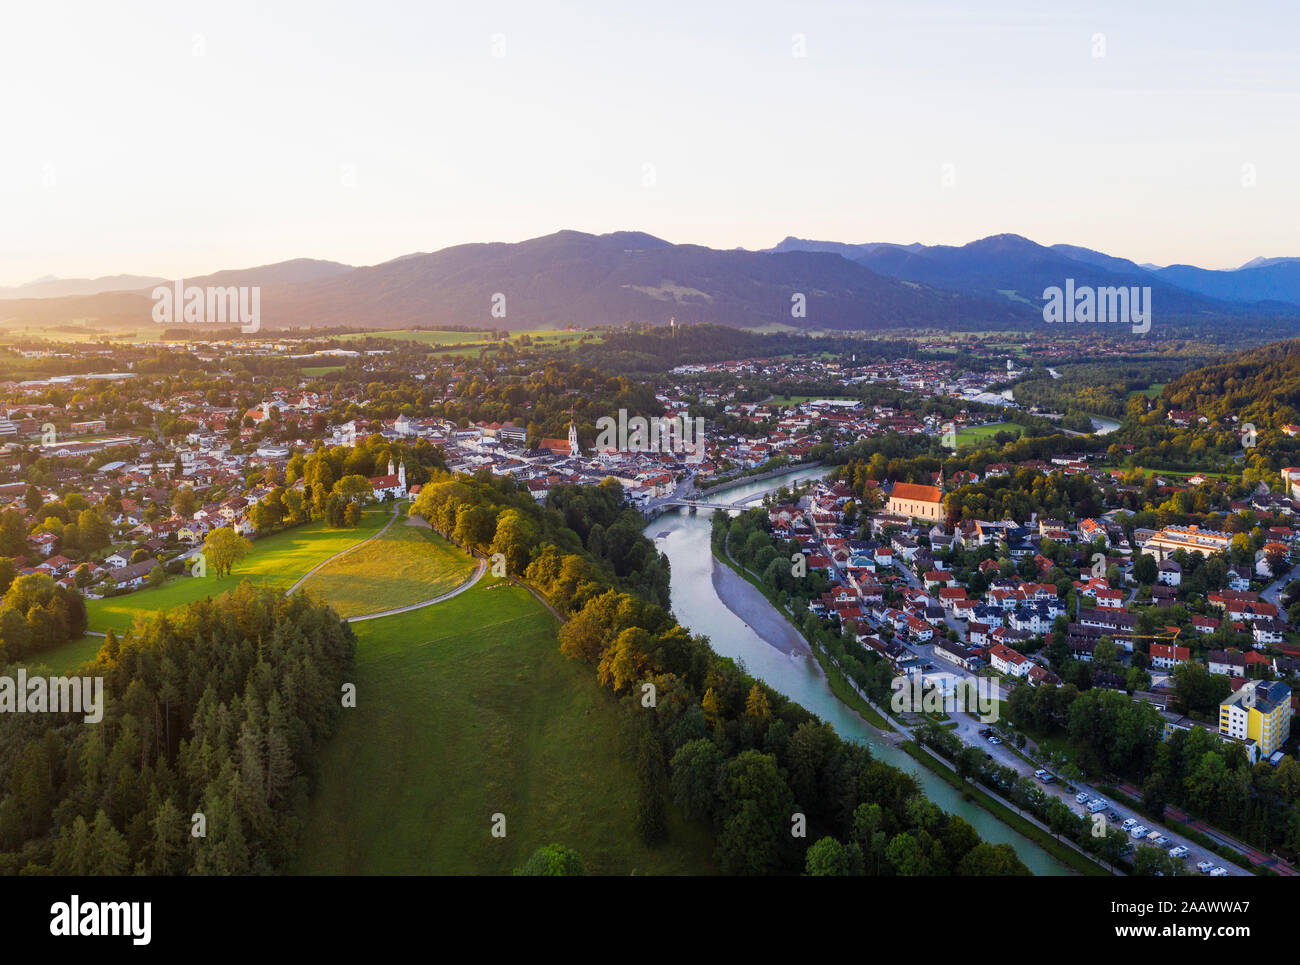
[169,138]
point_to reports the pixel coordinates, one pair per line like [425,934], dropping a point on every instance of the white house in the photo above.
[1169,573]
[1009,661]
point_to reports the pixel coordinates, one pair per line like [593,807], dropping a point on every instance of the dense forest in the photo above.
[1260,386]
[206,752]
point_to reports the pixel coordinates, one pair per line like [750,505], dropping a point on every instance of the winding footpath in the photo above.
[479,570]
[344,552]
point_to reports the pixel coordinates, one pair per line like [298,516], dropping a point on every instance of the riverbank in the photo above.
[684,538]
[743,594]
[737,590]
[743,479]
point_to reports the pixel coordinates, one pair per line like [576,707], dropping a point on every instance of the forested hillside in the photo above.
[1260,386]
[217,710]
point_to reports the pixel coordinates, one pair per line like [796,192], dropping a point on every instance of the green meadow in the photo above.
[465,710]
[407,564]
[1151,391]
[972,435]
[64,660]
[282,558]
[475,339]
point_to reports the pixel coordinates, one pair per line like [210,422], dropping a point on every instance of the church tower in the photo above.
[573,440]
[401,475]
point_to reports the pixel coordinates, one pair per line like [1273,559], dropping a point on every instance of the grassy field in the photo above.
[1174,473]
[553,336]
[64,660]
[465,710]
[972,435]
[1151,391]
[548,336]
[316,371]
[283,558]
[412,335]
[407,564]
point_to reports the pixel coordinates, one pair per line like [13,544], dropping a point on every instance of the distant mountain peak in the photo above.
[1007,240]
[1266,262]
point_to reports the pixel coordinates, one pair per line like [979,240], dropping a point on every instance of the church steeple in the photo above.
[573,439]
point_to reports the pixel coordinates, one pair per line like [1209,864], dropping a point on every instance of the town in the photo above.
[943,529]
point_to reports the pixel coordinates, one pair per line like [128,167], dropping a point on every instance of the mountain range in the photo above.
[1017,267]
[574,278]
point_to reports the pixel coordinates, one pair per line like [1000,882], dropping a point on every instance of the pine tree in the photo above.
[108,851]
[72,850]
[280,768]
[168,841]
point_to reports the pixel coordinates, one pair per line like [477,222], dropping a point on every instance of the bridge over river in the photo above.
[704,504]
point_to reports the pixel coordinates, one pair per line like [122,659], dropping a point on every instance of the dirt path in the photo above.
[478,575]
[312,572]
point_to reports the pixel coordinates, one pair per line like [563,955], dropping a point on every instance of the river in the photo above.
[1103,425]
[774,652]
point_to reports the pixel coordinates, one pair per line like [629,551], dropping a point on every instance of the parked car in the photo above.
[1128,824]
[1138,832]
[1219,873]
[1081,797]
[1097,805]
[1113,815]
[995,740]
[1179,852]
[1205,867]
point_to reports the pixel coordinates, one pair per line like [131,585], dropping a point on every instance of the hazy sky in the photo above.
[174,138]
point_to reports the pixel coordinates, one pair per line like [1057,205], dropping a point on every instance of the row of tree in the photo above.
[36,614]
[1114,735]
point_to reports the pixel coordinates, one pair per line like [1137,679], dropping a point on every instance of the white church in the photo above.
[392,486]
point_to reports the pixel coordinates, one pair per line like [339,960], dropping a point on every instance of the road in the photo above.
[967,731]
[1273,591]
